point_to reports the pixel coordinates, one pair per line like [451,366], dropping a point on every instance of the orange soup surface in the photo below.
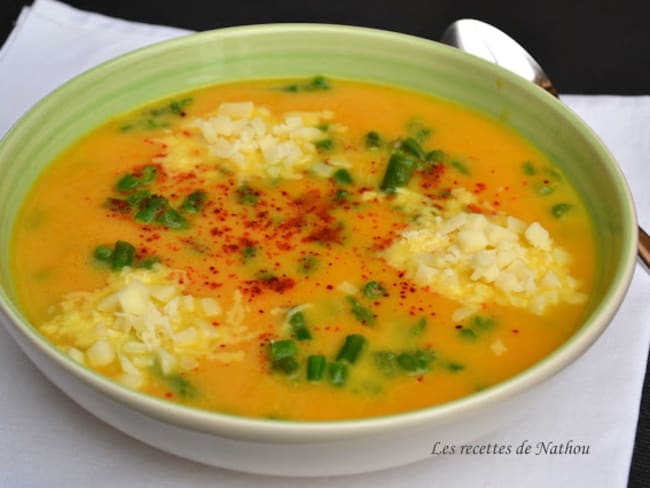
[308,249]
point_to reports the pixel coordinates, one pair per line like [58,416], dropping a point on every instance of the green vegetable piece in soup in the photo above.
[324,144]
[181,386]
[103,254]
[193,203]
[560,209]
[528,169]
[282,349]
[247,195]
[283,356]
[361,313]
[316,367]
[374,289]
[386,362]
[338,373]
[412,147]
[343,177]
[398,173]
[351,349]
[373,140]
[460,167]
[318,83]
[123,255]
[299,326]
[127,182]
[149,174]
[172,219]
[418,328]
[150,208]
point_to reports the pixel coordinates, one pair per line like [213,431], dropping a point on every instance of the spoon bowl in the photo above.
[491,44]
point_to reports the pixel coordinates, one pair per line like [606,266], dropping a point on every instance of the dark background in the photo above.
[588,47]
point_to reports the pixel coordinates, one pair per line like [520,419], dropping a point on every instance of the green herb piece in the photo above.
[180,385]
[264,275]
[412,147]
[528,169]
[173,107]
[130,181]
[341,195]
[299,326]
[374,289]
[323,127]
[249,252]
[544,190]
[149,174]
[282,349]
[418,130]
[318,83]
[150,209]
[286,365]
[338,373]
[460,167]
[103,253]
[156,118]
[247,195]
[436,156]
[351,349]
[193,203]
[373,140]
[391,363]
[155,124]
[482,322]
[148,262]
[127,183]
[173,219]
[177,106]
[283,356]
[316,367]
[417,362]
[308,264]
[423,358]
[467,334]
[123,255]
[324,144]
[343,177]
[454,367]
[361,313]
[418,328]
[560,209]
[137,197]
[386,362]
[407,362]
[398,172]
[293,88]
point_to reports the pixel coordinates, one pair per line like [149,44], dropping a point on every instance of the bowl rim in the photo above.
[239,427]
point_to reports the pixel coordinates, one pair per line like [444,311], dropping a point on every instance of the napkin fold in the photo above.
[47,440]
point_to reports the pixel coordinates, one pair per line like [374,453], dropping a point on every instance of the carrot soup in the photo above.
[309,249]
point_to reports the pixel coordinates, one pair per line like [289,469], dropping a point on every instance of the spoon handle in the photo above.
[644,248]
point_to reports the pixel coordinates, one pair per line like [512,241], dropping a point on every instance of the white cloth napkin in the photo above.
[47,440]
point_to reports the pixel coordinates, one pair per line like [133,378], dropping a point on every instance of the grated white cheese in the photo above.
[473,258]
[143,317]
[252,140]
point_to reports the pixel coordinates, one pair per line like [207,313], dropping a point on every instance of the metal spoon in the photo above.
[489,43]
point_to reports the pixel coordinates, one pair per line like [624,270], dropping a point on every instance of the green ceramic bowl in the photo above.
[314,448]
